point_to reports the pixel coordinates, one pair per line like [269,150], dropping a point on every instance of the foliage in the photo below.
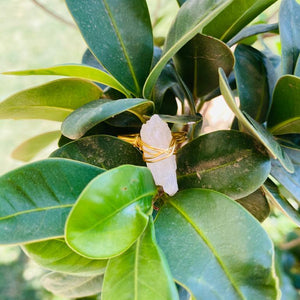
[92,214]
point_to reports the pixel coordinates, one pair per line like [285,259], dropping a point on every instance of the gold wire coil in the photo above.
[154,154]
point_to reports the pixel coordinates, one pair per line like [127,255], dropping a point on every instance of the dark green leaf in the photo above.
[78,71]
[227,161]
[123,45]
[111,212]
[198,61]
[36,199]
[254,128]
[257,204]
[290,181]
[215,247]
[144,272]
[52,101]
[72,286]
[30,148]
[180,2]
[284,116]
[251,31]
[95,112]
[102,151]
[181,119]
[273,194]
[252,82]
[289,26]
[55,255]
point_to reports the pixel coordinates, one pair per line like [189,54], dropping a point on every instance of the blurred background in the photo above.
[41,33]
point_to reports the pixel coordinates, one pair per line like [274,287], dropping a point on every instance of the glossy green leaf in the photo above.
[52,101]
[31,147]
[251,31]
[230,162]
[197,62]
[218,18]
[289,26]
[290,181]
[272,193]
[123,45]
[55,255]
[95,112]
[144,271]
[284,116]
[111,212]
[215,247]
[103,151]
[257,204]
[252,82]
[36,199]
[78,71]
[72,286]
[254,128]
[182,119]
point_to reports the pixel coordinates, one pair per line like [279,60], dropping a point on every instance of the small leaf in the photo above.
[197,62]
[30,148]
[144,272]
[230,162]
[215,248]
[182,119]
[111,213]
[72,286]
[103,151]
[95,112]
[51,101]
[55,255]
[254,128]
[110,37]
[284,116]
[289,27]
[78,71]
[36,199]
[272,193]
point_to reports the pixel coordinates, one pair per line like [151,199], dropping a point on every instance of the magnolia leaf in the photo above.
[182,119]
[144,271]
[70,286]
[284,117]
[51,101]
[215,248]
[95,112]
[103,151]
[230,162]
[31,147]
[55,255]
[36,199]
[110,37]
[78,71]
[254,128]
[111,212]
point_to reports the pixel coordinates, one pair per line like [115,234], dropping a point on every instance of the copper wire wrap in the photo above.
[155,154]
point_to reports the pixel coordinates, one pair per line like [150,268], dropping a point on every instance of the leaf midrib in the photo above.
[210,246]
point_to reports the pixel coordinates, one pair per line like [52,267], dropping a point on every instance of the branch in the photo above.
[51,13]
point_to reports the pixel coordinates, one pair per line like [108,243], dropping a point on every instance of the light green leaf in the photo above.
[144,271]
[55,255]
[111,212]
[123,45]
[30,148]
[36,199]
[103,151]
[254,128]
[215,247]
[230,162]
[93,113]
[284,116]
[78,71]
[289,26]
[51,101]
[72,286]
